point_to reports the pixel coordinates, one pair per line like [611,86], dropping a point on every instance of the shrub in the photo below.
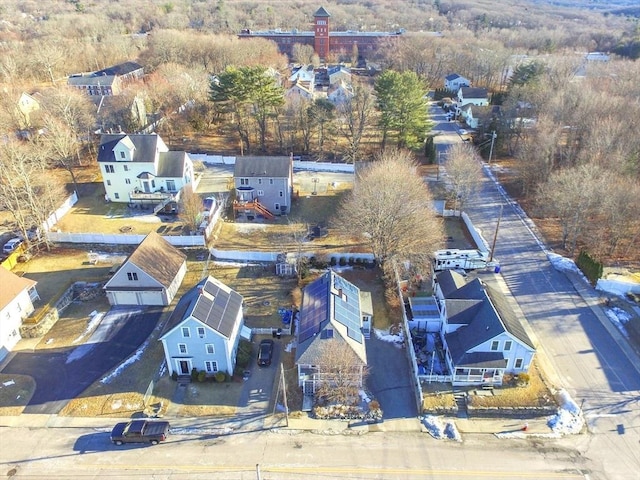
[522,379]
[174,375]
[220,377]
[343,261]
[202,376]
[243,358]
[351,261]
[194,374]
[333,261]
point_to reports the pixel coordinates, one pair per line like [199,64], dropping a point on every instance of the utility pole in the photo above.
[495,235]
[493,138]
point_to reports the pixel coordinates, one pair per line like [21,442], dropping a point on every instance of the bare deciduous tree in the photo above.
[464,173]
[341,372]
[390,209]
[190,209]
[355,115]
[572,196]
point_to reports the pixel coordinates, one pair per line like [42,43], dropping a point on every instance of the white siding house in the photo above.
[17,295]
[204,330]
[140,169]
[474,96]
[453,82]
[481,335]
[151,275]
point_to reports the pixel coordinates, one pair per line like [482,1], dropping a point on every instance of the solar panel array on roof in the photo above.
[315,307]
[346,307]
[218,307]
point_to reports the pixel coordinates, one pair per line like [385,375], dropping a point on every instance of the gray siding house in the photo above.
[263,185]
[151,275]
[204,330]
[331,311]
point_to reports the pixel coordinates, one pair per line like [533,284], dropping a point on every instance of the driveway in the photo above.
[389,379]
[64,373]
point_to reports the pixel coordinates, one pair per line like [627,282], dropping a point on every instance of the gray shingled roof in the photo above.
[273,167]
[120,69]
[474,92]
[452,76]
[449,282]
[321,12]
[171,164]
[97,80]
[145,147]
[329,303]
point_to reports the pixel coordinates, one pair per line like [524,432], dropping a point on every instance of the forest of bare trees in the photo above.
[561,118]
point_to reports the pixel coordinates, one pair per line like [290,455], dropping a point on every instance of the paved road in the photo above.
[586,358]
[68,453]
[63,373]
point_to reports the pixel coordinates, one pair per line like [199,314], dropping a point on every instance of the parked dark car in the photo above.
[140,431]
[265,353]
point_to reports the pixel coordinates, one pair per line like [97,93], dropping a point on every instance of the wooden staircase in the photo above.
[254,206]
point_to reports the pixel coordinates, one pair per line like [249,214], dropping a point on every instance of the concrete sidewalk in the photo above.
[535,426]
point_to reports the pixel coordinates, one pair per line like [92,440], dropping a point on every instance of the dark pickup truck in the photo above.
[140,431]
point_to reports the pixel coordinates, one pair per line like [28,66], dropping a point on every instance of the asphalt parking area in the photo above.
[64,373]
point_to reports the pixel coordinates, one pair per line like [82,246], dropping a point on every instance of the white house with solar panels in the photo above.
[204,330]
[331,310]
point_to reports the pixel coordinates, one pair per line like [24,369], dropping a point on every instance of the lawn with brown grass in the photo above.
[534,394]
[209,398]
[15,393]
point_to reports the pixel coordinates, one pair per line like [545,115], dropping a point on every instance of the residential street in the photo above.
[599,373]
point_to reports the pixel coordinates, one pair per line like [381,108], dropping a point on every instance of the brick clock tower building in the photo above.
[323,40]
[321,33]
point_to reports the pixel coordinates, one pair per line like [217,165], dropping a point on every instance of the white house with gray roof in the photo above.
[330,311]
[139,169]
[204,330]
[107,82]
[482,336]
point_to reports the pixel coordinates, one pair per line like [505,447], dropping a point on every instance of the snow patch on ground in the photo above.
[96,318]
[132,359]
[8,383]
[569,419]
[385,336]
[249,227]
[201,431]
[440,428]
[619,318]
[290,346]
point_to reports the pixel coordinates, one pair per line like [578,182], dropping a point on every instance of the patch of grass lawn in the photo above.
[15,393]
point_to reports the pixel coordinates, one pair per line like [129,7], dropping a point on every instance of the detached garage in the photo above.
[151,275]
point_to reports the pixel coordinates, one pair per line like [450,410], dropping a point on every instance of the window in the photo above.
[132,276]
[244,181]
[116,196]
[494,345]
[171,185]
[271,181]
[109,183]
[201,332]
[518,363]
[211,367]
[281,193]
[153,184]
[507,345]
[109,169]
[259,181]
[122,155]
[210,349]
[186,333]
[182,348]
[127,181]
[260,193]
[126,168]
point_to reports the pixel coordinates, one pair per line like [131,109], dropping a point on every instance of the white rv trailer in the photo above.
[465,259]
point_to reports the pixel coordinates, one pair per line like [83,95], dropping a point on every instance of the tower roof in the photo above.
[321,12]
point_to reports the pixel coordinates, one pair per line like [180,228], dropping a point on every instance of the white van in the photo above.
[11,245]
